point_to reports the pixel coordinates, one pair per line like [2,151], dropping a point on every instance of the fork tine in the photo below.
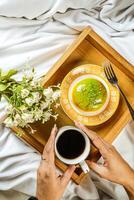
[112,71]
[107,72]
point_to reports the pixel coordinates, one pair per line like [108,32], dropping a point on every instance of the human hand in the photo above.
[114,167]
[50,185]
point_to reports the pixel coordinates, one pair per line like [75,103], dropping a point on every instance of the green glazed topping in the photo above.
[89,94]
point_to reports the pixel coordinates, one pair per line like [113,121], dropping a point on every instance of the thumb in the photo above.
[67,175]
[99,169]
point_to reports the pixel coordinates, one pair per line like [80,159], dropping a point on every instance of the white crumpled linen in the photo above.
[38,32]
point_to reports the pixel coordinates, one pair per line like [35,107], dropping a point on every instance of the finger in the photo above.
[67,175]
[99,169]
[50,142]
[89,133]
[96,140]
[48,152]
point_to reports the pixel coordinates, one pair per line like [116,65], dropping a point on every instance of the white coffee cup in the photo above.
[80,159]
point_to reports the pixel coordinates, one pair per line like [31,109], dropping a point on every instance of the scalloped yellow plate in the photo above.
[68,109]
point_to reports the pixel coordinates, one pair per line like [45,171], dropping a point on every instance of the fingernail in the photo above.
[55,127]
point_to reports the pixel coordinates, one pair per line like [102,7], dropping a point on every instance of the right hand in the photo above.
[114,167]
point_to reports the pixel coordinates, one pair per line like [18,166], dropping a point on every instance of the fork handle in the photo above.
[128,104]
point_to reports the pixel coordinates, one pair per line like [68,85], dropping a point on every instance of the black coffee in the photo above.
[71,144]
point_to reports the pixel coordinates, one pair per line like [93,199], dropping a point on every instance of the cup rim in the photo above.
[78,159]
[91,113]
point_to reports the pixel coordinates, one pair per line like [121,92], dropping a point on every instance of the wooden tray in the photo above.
[88,48]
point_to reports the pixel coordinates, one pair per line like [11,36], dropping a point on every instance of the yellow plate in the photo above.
[72,114]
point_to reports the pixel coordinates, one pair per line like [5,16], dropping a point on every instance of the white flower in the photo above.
[30,101]
[22,123]
[36,97]
[17,117]
[33,83]
[56,95]
[57,105]
[48,92]
[9,122]
[38,115]
[47,116]
[55,116]
[44,105]
[23,108]
[24,93]
[27,117]
[16,123]
[9,108]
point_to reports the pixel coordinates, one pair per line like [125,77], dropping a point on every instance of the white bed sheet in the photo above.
[38,32]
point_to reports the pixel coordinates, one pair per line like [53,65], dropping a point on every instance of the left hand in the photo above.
[51,186]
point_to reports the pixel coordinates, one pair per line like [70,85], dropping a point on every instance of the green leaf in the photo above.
[3,87]
[9,74]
